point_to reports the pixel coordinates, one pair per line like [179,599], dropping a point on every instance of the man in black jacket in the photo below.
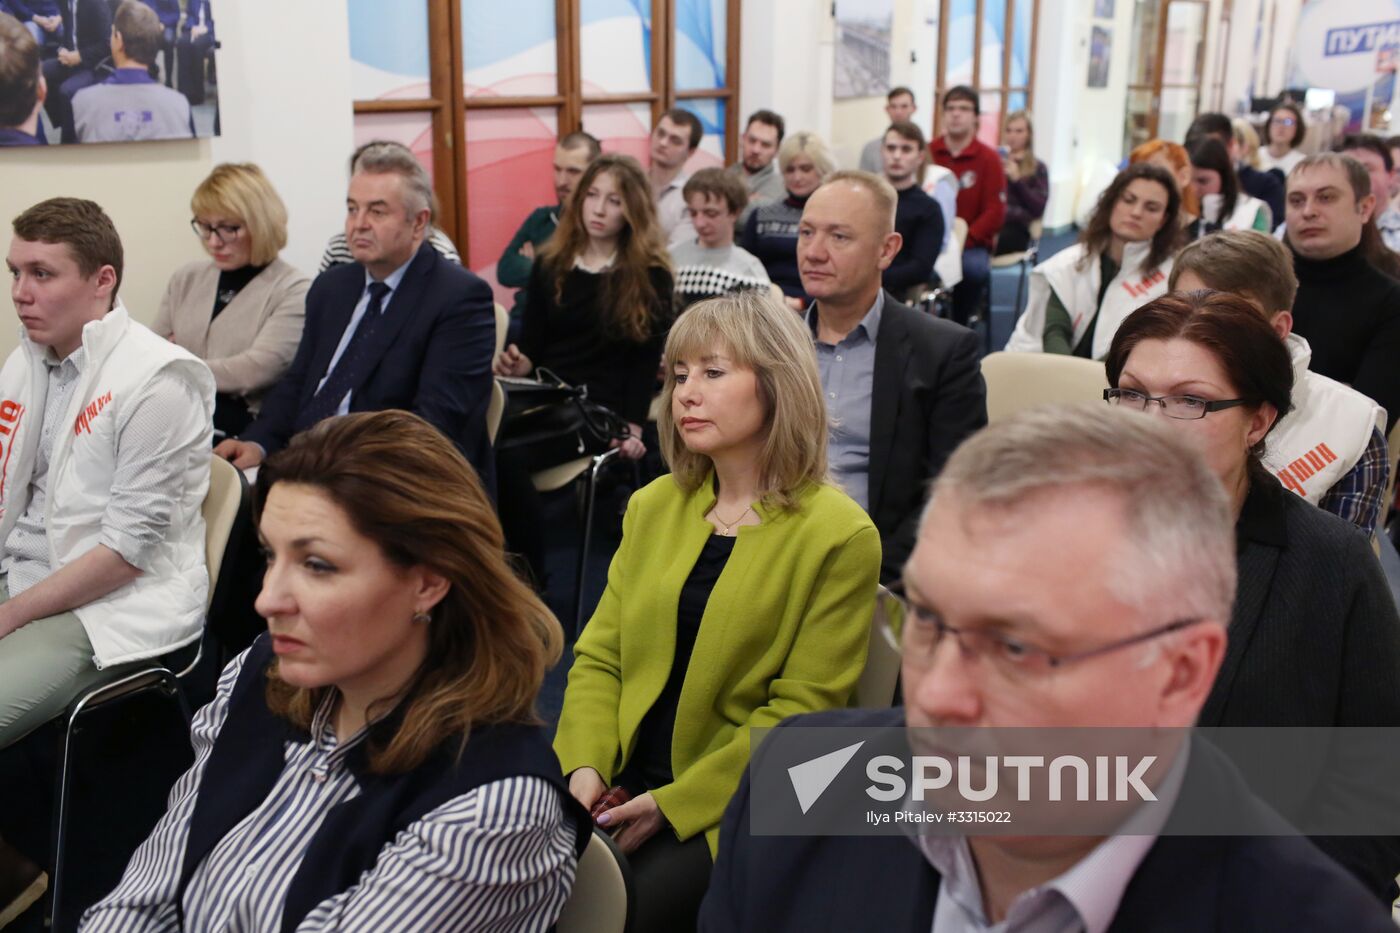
[1082,563]
[85,43]
[903,389]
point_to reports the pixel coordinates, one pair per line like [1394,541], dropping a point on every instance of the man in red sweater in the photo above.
[981,193]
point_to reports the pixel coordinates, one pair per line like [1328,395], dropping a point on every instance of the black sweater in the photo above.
[575,341]
[1349,312]
[919,220]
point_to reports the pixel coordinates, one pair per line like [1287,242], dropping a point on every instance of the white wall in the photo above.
[284,94]
[787,64]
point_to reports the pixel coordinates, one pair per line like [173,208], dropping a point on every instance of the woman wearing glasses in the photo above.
[241,310]
[1314,637]
[1285,132]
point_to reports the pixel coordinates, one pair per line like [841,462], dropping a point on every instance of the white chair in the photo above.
[221,510]
[602,898]
[877,682]
[502,327]
[585,470]
[1025,380]
[495,409]
[1026,260]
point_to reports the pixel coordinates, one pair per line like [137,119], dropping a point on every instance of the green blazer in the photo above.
[785,632]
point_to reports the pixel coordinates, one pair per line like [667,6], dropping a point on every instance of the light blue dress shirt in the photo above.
[848,380]
[392,280]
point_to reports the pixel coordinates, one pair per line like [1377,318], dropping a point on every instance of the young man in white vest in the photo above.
[104,464]
[1330,448]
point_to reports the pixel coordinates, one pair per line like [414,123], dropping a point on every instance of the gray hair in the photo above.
[386,157]
[886,198]
[1179,546]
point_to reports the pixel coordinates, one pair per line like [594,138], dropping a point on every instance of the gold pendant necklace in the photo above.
[728,531]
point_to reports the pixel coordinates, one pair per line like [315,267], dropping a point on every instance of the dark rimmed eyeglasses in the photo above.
[917,632]
[1181,407]
[222,232]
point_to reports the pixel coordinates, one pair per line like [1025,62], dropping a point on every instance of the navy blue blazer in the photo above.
[434,359]
[94,29]
[1201,884]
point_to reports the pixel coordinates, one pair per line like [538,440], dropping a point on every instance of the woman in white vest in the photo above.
[1224,204]
[1331,449]
[1079,296]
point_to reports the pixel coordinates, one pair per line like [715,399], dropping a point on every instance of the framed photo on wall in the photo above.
[1100,47]
[107,71]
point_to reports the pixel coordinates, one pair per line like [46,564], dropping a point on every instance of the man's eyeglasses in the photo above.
[222,232]
[1181,407]
[917,632]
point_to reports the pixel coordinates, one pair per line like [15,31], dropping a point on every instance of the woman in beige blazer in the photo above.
[241,310]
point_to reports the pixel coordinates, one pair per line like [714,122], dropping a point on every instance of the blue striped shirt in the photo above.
[500,857]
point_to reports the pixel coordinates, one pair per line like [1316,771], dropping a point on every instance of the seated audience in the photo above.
[1027,184]
[1265,186]
[1146,528]
[904,388]
[1285,132]
[981,194]
[103,557]
[711,265]
[899,107]
[40,17]
[1080,296]
[1223,205]
[741,595]
[131,105]
[917,219]
[1247,140]
[75,65]
[571,158]
[168,12]
[193,48]
[600,303]
[758,167]
[1314,635]
[771,230]
[338,252]
[1348,304]
[1371,151]
[22,87]
[1174,158]
[400,328]
[673,142]
[241,311]
[1330,449]
[375,760]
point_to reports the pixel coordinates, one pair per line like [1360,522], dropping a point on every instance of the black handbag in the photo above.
[548,422]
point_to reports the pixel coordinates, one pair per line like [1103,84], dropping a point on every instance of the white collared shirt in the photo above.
[393,279]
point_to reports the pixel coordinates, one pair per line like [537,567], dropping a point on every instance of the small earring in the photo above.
[422,618]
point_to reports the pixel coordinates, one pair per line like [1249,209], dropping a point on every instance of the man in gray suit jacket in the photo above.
[904,388]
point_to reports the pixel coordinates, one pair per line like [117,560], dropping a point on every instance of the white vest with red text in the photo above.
[1074,277]
[1323,437]
[163,608]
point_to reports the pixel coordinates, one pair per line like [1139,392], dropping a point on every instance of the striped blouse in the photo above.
[338,250]
[500,857]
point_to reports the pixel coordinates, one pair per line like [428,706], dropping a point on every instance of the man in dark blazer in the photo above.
[903,388]
[1122,625]
[85,43]
[398,328]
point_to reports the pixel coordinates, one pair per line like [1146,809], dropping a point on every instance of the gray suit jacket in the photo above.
[252,341]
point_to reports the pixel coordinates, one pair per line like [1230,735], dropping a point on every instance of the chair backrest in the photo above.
[602,898]
[222,504]
[1025,380]
[495,409]
[875,688]
[960,232]
[502,326]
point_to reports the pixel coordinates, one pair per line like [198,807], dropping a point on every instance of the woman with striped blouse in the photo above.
[374,762]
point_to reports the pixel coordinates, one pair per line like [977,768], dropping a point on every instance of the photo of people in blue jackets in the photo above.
[106,71]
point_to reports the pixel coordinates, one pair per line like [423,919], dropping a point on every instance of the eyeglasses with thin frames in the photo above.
[917,632]
[222,232]
[1180,407]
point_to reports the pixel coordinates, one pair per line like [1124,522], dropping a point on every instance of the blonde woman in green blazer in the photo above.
[741,595]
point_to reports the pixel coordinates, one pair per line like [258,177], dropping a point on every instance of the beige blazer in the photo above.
[252,341]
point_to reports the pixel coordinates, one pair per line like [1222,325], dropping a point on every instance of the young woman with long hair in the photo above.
[1027,183]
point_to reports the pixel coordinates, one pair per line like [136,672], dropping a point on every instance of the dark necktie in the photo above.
[352,366]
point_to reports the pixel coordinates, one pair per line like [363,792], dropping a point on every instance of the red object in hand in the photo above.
[612,797]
